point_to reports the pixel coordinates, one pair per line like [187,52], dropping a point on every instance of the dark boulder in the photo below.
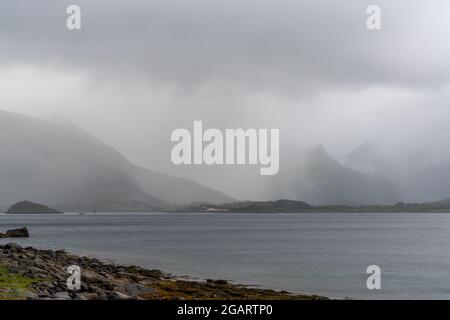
[14,246]
[18,233]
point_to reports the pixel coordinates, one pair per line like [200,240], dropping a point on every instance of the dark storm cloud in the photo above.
[269,44]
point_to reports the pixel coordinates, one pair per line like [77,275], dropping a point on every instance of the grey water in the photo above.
[326,254]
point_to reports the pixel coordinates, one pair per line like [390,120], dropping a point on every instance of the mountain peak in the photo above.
[318,150]
[364,158]
[319,153]
[365,148]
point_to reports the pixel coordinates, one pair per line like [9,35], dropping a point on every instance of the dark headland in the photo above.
[28,207]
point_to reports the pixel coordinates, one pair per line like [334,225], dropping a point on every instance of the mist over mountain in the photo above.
[63,166]
[417,181]
[431,183]
[366,159]
[317,178]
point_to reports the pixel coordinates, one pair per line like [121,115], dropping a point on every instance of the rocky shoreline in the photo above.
[29,273]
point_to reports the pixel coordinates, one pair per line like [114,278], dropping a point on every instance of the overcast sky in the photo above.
[140,69]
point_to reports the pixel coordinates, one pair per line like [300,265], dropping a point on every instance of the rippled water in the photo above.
[324,254]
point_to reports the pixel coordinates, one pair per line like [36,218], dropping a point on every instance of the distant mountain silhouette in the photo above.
[318,179]
[364,159]
[430,183]
[416,182]
[65,167]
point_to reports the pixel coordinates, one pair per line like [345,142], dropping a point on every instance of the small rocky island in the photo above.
[27,207]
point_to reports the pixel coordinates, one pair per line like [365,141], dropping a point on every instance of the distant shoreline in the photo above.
[278,206]
[222,213]
[291,206]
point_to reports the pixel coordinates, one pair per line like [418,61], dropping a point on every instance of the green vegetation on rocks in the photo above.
[29,273]
[13,286]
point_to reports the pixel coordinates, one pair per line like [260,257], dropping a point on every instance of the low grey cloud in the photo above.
[139,69]
[275,44]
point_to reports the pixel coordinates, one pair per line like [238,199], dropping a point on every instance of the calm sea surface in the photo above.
[324,254]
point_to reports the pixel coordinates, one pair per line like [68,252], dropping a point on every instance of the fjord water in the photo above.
[324,254]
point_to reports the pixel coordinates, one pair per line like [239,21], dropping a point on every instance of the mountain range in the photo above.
[60,165]
[416,180]
[66,168]
[317,178]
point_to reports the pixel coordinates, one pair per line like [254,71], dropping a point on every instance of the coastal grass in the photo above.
[13,286]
